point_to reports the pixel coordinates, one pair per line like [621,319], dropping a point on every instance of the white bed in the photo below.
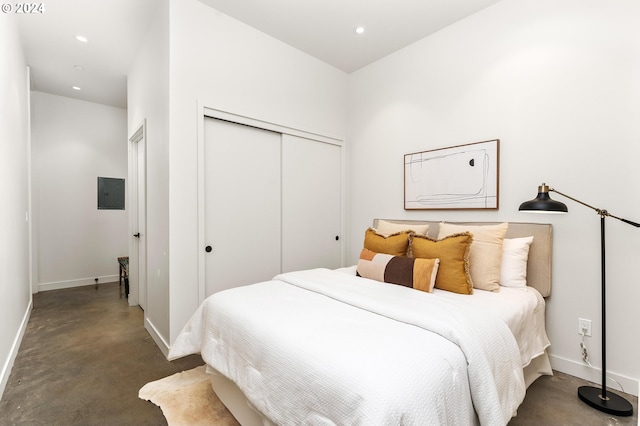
[329,347]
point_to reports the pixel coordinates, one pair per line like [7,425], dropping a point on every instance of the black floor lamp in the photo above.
[595,397]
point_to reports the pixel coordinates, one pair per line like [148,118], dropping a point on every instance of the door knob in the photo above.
[208,249]
[137,235]
[337,237]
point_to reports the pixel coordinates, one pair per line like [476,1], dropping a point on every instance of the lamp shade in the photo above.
[543,203]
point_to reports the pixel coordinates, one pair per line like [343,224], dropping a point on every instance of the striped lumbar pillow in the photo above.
[407,271]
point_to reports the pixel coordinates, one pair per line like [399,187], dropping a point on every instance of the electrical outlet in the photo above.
[584,326]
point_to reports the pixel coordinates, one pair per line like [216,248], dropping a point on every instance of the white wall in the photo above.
[218,62]
[74,142]
[15,289]
[559,84]
[228,65]
[148,98]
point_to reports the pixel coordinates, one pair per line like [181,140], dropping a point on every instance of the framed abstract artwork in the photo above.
[459,177]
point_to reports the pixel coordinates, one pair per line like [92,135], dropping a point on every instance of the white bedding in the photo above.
[522,309]
[303,355]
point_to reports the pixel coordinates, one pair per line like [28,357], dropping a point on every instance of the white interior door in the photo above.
[311,209]
[242,204]
[138,206]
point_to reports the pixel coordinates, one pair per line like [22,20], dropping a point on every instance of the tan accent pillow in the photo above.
[419,274]
[387,228]
[485,256]
[394,244]
[453,252]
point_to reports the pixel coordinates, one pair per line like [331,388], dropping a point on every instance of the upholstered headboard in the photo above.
[540,251]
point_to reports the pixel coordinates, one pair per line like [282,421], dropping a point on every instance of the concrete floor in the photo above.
[83,358]
[86,354]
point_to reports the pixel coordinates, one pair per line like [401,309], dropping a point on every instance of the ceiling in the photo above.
[114,29]
[324,29]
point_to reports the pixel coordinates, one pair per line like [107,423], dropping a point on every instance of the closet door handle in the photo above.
[337,237]
[208,249]
[137,235]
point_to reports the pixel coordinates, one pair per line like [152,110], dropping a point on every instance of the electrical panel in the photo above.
[110,193]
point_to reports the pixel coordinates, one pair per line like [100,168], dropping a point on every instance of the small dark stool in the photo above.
[124,275]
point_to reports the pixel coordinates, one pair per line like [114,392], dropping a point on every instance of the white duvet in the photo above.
[323,347]
[521,309]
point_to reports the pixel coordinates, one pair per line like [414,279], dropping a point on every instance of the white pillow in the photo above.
[515,254]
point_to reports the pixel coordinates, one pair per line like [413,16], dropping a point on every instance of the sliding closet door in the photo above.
[311,177]
[242,204]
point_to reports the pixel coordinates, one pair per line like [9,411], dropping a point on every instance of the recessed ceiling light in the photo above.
[359,30]
[82,38]
[76,88]
[78,67]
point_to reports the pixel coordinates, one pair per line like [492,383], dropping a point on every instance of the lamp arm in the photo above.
[637,225]
[601,212]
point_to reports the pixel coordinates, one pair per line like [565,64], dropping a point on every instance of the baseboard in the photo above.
[593,374]
[8,365]
[156,336]
[58,285]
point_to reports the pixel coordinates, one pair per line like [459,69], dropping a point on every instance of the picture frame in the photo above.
[461,177]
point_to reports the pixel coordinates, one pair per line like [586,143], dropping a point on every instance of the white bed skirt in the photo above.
[539,366]
[237,403]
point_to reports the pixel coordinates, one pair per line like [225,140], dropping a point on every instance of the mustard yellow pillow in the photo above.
[387,228]
[453,252]
[485,255]
[419,274]
[394,244]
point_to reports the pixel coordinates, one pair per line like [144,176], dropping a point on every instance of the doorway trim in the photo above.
[138,217]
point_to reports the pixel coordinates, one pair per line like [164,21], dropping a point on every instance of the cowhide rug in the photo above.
[187,399]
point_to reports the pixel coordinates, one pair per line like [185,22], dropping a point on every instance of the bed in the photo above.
[334,347]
